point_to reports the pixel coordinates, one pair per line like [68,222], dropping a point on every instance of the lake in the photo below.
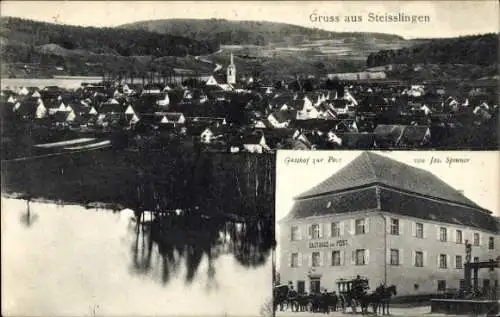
[66,260]
[68,82]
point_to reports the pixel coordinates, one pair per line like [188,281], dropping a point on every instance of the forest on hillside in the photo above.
[476,50]
[227,32]
[25,39]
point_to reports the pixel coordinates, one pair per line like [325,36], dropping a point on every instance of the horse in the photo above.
[280,297]
[302,302]
[385,294]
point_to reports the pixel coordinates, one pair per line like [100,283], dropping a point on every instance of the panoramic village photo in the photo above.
[142,143]
[402,233]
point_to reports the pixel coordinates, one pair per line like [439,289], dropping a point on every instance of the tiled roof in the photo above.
[370,168]
[392,201]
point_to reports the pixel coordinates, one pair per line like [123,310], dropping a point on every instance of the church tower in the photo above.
[231,72]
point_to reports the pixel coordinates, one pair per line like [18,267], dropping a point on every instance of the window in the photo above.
[315,285]
[360,226]
[295,233]
[315,259]
[476,238]
[419,259]
[476,259]
[419,232]
[442,234]
[301,287]
[295,260]
[461,284]
[335,229]
[491,243]
[394,257]
[315,231]
[360,257]
[394,226]
[458,236]
[336,258]
[458,262]
[442,261]
[441,285]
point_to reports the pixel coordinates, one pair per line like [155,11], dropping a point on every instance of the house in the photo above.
[30,108]
[280,119]
[163,100]
[355,140]
[211,134]
[151,89]
[255,143]
[307,111]
[388,136]
[415,136]
[174,118]
[211,81]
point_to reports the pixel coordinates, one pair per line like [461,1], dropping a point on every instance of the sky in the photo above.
[478,179]
[446,18]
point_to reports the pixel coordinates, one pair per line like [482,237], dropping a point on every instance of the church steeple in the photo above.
[231,71]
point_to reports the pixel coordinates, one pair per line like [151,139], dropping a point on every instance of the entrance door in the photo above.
[315,286]
[301,287]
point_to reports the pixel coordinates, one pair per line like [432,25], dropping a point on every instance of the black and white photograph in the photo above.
[249,76]
[405,233]
[142,143]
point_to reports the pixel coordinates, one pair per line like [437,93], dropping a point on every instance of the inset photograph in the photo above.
[406,233]
[105,233]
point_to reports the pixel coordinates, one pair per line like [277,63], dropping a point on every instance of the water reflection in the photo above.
[28,218]
[184,239]
[75,261]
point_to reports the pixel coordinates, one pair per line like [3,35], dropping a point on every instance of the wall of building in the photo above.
[408,278]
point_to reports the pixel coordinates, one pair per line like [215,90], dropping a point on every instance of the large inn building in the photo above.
[388,222]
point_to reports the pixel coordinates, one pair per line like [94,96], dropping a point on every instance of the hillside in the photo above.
[476,50]
[227,32]
[47,44]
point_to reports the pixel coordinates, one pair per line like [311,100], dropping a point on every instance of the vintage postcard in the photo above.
[357,228]
[141,145]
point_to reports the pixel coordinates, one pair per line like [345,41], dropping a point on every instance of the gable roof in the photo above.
[370,168]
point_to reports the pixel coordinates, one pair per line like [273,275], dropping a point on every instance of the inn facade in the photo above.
[388,222]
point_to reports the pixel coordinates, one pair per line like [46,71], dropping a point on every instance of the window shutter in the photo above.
[342,228]
[299,232]
[437,260]
[342,257]
[300,259]
[424,258]
[388,224]
[401,256]
[320,227]
[448,261]
[328,258]
[289,254]
[310,260]
[367,225]
[424,230]
[413,229]
[353,257]
[328,230]
[413,257]
[480,238]
[367,256]
[401,227]
[352,227]
[438,233]
[309,231]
